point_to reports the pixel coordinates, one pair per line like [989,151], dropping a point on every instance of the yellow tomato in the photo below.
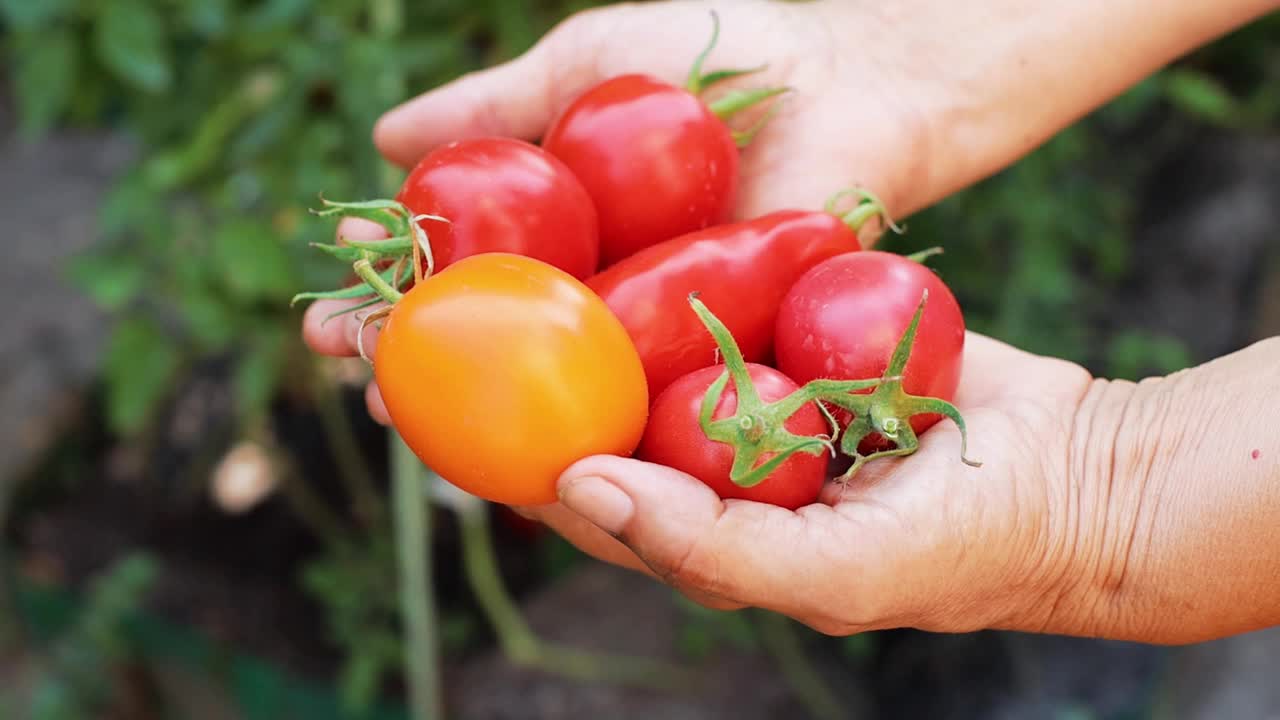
[502,370]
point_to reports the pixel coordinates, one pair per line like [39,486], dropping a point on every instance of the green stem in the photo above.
[365,270]
[737,101]
[417,604]
[353,469]
[869,206]
[303,502]
[780,638]
[925,254]
[519,642]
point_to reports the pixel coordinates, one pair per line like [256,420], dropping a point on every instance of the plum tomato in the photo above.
[503,195]
[501,371]
[675,438]
[842,319]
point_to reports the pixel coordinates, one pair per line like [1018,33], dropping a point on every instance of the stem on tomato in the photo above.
[519,642]
[417,603]
[922,255]
[365,270]
[869,206]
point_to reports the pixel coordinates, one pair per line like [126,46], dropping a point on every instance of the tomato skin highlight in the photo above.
[675,438]
[503,195]
[741,271]
[655,160]
[501,371]
[842,319]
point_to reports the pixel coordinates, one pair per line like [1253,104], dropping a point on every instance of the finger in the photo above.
[515,99]
[376,407]
[993,369]
[321,331]
[337,336]
[743,552]
[595,542]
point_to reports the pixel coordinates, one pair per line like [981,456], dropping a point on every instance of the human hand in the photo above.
[925,541]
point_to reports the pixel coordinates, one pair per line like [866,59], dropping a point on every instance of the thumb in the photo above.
[514,99]
[739,551]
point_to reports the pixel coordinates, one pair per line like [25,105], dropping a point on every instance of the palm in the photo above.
[945,529]
[904,532]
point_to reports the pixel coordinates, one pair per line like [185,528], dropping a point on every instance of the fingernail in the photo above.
[599,501]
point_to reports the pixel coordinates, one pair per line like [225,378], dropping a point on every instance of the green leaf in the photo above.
[33,14]
[209,18]
[141,364]
[111,281]
[1201,96]
[130,40]
[259,372]
[210,319]
[44,78]
[252,262]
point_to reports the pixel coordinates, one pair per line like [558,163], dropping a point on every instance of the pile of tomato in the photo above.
[591,294]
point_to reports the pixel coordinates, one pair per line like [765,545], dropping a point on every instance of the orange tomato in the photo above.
[502,370]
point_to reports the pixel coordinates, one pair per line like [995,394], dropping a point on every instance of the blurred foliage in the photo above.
[76,672]
[240,112]
[1034,252]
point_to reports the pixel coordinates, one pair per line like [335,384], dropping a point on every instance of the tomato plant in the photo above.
[502,370]
[656,159]
[675,437]
[741,271]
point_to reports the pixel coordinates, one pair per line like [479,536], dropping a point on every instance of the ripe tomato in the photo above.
[655,159]
[501,371]
[741,270]
[842,319]
[675,438]
[503,195]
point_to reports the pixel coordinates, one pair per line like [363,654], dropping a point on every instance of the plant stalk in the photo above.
[353,469]
[417,604]
[780,637]
[519,642]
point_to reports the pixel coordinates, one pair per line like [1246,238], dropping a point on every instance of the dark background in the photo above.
[157,158]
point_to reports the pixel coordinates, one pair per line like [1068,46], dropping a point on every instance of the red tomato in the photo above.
[843,318]
[503,195]
[675,438]
[501,371]
[654,158]
[740,270]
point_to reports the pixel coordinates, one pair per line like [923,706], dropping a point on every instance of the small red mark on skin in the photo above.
[1255,454]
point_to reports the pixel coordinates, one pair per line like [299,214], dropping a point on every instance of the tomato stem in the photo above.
[696,82]
[922,255]
[868,206]
[365,270]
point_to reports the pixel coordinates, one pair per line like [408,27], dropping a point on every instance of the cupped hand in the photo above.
[923,541]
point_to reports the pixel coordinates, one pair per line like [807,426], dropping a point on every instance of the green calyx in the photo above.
[405,251]
[887,410]
[737,100]
[756,429]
